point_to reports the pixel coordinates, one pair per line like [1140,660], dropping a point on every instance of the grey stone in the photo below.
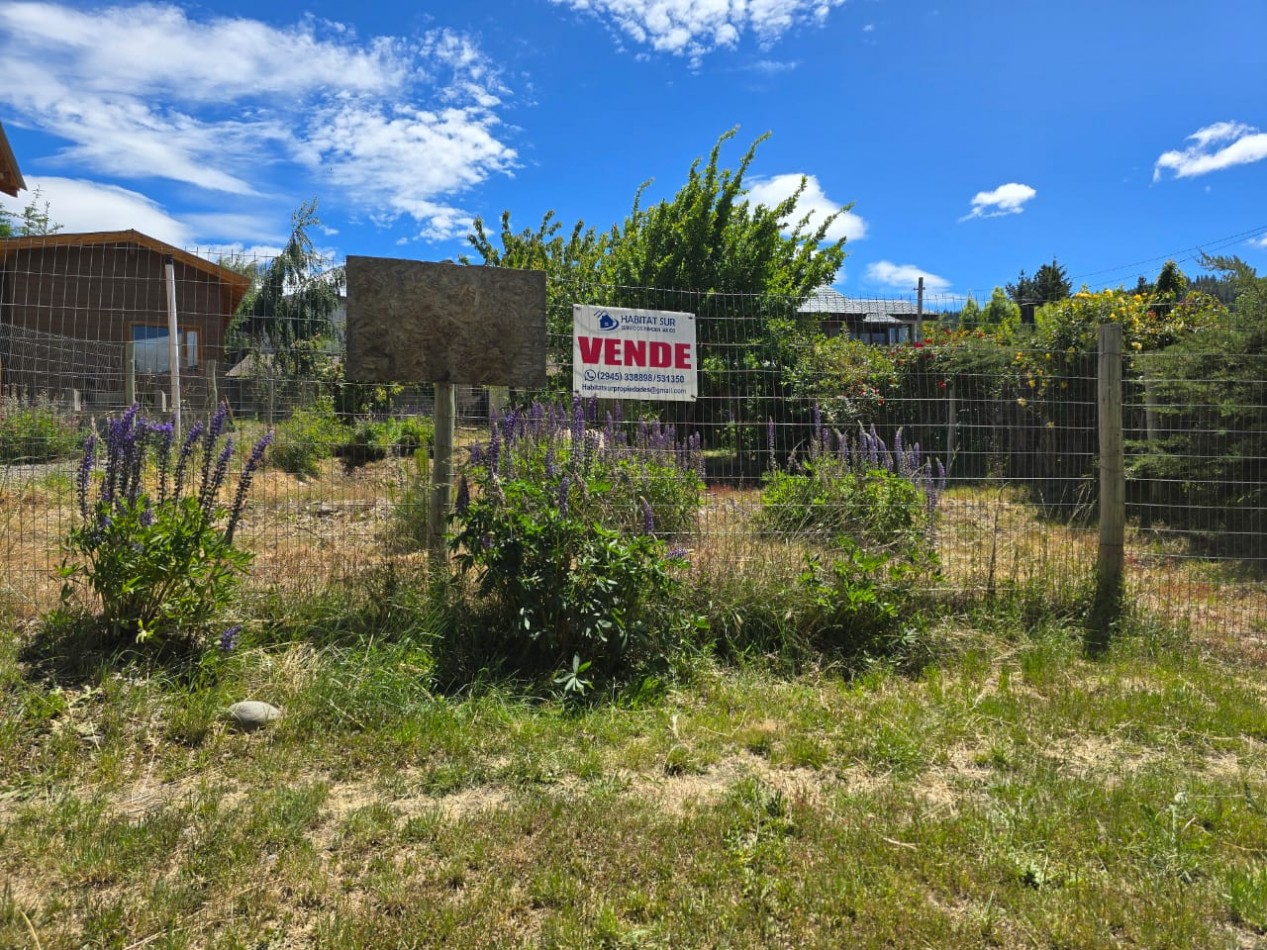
[252,714]
[422,322]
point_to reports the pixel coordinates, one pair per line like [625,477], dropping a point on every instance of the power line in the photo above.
[1186,253]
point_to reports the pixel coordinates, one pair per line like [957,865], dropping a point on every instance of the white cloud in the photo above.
[694,28]
[1213,149]
[79,205]
[813,201]
[1005,199]
[1259,242]
[905,277]
[239,107]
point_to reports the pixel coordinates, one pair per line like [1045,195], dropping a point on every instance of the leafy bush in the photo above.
[856,603]
[162,563]
[562,540]
[38,432]
[372,441]
[306,439]
[613,475]
[856,491]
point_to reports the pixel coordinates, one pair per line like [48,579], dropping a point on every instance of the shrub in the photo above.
[857,601]
[373,441]
[856,491]
[162,562]
[38,432]
[564,540]
[306,439]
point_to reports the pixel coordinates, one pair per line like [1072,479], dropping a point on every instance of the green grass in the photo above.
[1010,793]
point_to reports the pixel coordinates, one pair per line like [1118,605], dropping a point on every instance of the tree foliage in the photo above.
[1000,314]
[286,315]
[707,238]
[34,219]
[1049,284]
[1210,388]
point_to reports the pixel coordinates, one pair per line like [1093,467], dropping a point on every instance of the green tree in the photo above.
[35,219]
[1000,314]
[286,316]
[1023,291]
[1171,283]
[1051,283]
[970,315]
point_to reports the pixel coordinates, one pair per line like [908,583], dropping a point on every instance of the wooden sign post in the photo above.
[421,322]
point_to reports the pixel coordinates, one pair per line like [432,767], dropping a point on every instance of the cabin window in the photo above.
[151,353]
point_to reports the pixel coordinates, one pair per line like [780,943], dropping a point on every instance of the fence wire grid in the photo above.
[84,331]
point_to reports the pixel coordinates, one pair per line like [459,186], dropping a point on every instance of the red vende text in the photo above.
[613,351]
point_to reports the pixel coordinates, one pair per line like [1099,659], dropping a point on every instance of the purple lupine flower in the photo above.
[578,422]
[564,485]
[509,425]
[551,462]
[229,639]
[211,485]
[84,475]
[147,516]
[164,432]
[477,454]
[492,458]
[217,421]
[182,460]
[463,500]
[214,430]
[648,518]
[769,438]
[244,483]
[677,554]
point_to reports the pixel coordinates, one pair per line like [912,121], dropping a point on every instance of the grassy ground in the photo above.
[1011,793]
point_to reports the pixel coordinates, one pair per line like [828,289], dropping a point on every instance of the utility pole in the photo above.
[919,311]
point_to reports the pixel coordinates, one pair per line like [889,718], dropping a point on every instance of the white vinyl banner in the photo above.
[621,353]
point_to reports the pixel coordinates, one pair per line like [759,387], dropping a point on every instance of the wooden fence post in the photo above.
[1111,559]
[441,473]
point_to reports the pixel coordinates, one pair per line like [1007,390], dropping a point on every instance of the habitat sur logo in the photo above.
[607,322]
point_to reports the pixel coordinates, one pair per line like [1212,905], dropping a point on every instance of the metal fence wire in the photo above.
[85,330]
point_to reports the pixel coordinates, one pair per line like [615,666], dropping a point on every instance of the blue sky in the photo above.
[974,138]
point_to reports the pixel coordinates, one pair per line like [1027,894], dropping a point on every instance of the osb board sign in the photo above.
[422,322]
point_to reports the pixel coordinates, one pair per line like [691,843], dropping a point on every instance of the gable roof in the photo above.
[830,302]
[11,181]
[236,284]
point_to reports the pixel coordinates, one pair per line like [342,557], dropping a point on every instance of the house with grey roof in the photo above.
[872,320]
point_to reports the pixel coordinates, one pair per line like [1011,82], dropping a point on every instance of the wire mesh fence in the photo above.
[1004,440]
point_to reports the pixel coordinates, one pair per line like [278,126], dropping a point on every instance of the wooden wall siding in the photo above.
[96,294]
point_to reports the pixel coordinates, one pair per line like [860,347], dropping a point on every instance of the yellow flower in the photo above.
[1137,345]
